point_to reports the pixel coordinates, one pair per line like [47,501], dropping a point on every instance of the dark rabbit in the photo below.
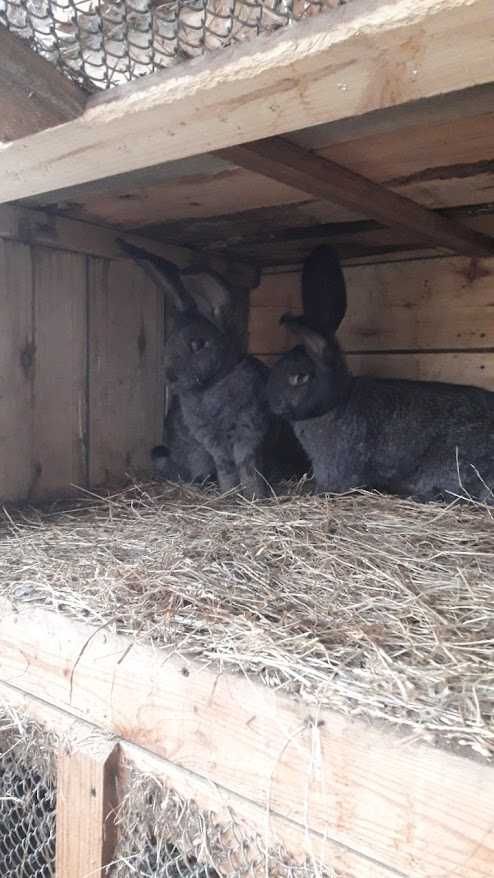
[183,458]
[323,292]
[411,438]
[222,394]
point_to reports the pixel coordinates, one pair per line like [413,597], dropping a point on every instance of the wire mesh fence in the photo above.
[101,43]
[27,816]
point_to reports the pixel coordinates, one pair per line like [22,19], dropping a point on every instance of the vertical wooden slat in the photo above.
[86,803]
[17,365]
[60,383]
[125,381]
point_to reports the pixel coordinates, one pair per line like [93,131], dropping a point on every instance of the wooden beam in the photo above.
[411,809]
[37,227]
[361,57]
[237,816]
[86,801]
[34,95]
[291,164]
[428,115]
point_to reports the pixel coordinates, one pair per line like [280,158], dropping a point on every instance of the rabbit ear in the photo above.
[323,291]
[314,343]
[211,287]
[164,274]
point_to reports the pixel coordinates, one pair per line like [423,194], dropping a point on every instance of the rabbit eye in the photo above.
[197,344]
[298,378]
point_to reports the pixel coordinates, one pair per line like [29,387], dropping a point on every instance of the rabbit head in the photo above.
[199,350]
[309,380]
[198,353]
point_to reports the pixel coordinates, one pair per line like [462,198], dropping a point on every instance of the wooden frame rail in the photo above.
[355,797]
[31,226]
[366,56]
[289,163]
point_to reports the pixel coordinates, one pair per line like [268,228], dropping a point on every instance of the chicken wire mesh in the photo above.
[160,833]
[27,813]
[101,43]
[163,835]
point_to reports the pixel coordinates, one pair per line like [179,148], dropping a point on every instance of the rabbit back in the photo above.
[419,439]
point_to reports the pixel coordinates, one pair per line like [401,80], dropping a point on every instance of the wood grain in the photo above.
[418,305]
[239,818]
[60,383]
[374,55]
[414,809]
[34,95]
[38,227]
[288,163]
[86,801]
[125,376]
[17,369]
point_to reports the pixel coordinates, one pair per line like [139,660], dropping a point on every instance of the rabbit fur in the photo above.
[425,440]
[221,393]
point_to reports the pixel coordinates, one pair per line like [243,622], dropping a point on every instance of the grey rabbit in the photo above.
[425,440]
[221,392]
[183,458]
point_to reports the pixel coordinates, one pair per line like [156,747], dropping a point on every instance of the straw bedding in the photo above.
[370,605]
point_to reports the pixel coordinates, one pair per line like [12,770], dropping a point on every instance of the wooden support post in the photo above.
[86,802]
[34,95]
[288,163]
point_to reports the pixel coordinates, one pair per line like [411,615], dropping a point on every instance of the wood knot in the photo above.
[27,355]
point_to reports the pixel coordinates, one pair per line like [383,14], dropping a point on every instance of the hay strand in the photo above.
[374,606]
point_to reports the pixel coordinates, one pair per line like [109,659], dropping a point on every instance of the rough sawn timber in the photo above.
[86,799]
[34,95]
[362,57]
[413,809]
[288,163]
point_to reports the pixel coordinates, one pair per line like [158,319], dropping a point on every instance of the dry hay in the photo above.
[371,605]
[27,798]
[163,835]
[160,834]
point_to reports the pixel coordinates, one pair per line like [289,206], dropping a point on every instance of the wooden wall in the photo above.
[431,319]
[80,366]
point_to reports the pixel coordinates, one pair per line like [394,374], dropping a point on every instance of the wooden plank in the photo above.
[39,227]
[86,799]
[415,809]
[381,157]
[34,95]
[60,383]
[456,367]
[291,164]
[17,369]
[425,304]
[473,102]
[125,376]
[238,817]
[447,163]
[254,234]
[437,110]
[188,197]
[374,54]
